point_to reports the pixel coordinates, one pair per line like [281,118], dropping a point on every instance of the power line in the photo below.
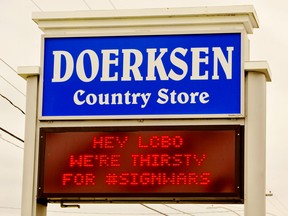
[154,209]
[223,207]
[186,213]
[283,210]
[12,104]
[7,80]
[96,213]
[281,204]
[12,85]
[110,1]
[8,65]
[36,5]
[11,134]
[87,4]
[277,207]
[11,143]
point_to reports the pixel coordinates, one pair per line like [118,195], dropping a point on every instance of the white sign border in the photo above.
[158,116]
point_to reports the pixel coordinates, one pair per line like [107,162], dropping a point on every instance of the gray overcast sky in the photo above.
[20,45]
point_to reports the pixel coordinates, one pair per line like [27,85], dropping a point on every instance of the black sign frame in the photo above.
[237,196]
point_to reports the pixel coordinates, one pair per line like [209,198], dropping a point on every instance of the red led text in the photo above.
[141,160]
[162,178]
[109,142]
[94,160]
[78,179]
[161,160]
[161,142]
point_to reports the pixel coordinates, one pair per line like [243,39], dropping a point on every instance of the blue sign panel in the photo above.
[167,75]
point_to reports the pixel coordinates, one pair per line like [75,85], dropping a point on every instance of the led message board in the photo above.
[141,163]
[152,75]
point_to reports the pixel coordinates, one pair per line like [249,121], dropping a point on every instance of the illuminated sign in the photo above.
[182,163]
[128,76]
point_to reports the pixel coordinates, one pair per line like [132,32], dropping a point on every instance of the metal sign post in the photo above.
[162,81]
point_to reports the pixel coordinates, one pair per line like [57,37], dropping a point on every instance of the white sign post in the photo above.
[255,141]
